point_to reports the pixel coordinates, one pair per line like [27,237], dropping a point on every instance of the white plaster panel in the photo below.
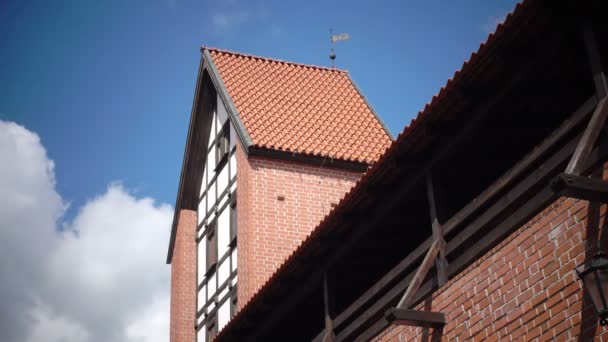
[202,210]
[211,284]
[222,114]
[222,179]
[223,314]
[203,180]
[201,334]
[201,299]
[233,168]
[224,271]
[234,280]
[212,134]
[211,162]
[223,236]
[234,258]
[211,196]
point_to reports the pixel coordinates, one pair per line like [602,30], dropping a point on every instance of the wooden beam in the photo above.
[421,273]
[595,60]
[598,120]
[596,124]
[498,187]
[581,187]
[329,324]
[526,210]
[416,318]
[524,165]
[441,262]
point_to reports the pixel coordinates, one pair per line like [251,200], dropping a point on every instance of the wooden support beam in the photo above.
[598,120]
[329,323]
[595,60]
[532,205]
[581,187]
[416,318]
[423,269]
[596,124]
[441,263]
[471,208]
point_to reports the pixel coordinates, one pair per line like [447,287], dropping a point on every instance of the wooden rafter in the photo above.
[423,269]
[441,262]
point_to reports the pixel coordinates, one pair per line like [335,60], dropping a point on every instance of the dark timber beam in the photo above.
[598,120]
[425,319]
[329,323]
[592,132]
[524,213]
[581,187]
[499,186]
[595,60]
[441,262]
[518,194]
[421,273]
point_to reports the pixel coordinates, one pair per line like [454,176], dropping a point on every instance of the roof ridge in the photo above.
[270,59]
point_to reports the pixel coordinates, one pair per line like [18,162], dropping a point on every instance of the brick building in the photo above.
[272,147]
[471,224]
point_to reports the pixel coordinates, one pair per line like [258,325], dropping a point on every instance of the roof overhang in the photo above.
[494,136]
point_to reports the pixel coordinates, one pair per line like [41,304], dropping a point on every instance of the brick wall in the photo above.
[523,289]
[183,279]
[283,202]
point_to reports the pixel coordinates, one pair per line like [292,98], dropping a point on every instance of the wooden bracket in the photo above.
[441,262]
[580,187]
[427,262]
[329,323]
[425,319]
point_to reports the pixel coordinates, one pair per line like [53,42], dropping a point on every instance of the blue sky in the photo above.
[108,85]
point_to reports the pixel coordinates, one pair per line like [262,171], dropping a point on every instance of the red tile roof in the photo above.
[301,108]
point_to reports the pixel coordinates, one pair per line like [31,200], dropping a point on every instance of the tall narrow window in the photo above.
[223,146]
[212,245]
[233,228]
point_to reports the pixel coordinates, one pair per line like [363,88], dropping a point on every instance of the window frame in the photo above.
[233,219]
[211,248]
[222,146]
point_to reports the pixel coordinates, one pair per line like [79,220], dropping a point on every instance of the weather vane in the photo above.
[334,38]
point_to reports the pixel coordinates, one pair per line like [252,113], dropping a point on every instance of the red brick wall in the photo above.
[523,289]
[270,228]
[183,279]
[243,209]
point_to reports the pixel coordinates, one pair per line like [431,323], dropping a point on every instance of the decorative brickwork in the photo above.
[280,203]
[523,289]
[183,279]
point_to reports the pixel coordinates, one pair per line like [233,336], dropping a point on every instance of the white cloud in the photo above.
[101,277]
[229,16]
[226,21]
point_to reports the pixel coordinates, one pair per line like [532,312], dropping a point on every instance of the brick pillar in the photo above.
[183,279]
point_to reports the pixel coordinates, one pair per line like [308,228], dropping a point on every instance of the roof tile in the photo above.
[301,108]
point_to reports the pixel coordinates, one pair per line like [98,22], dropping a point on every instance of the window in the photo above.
[233,303]
[212,245]
[222,146]
[233,228]
[212,328]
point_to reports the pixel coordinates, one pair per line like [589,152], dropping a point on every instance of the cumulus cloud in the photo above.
[100,277]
